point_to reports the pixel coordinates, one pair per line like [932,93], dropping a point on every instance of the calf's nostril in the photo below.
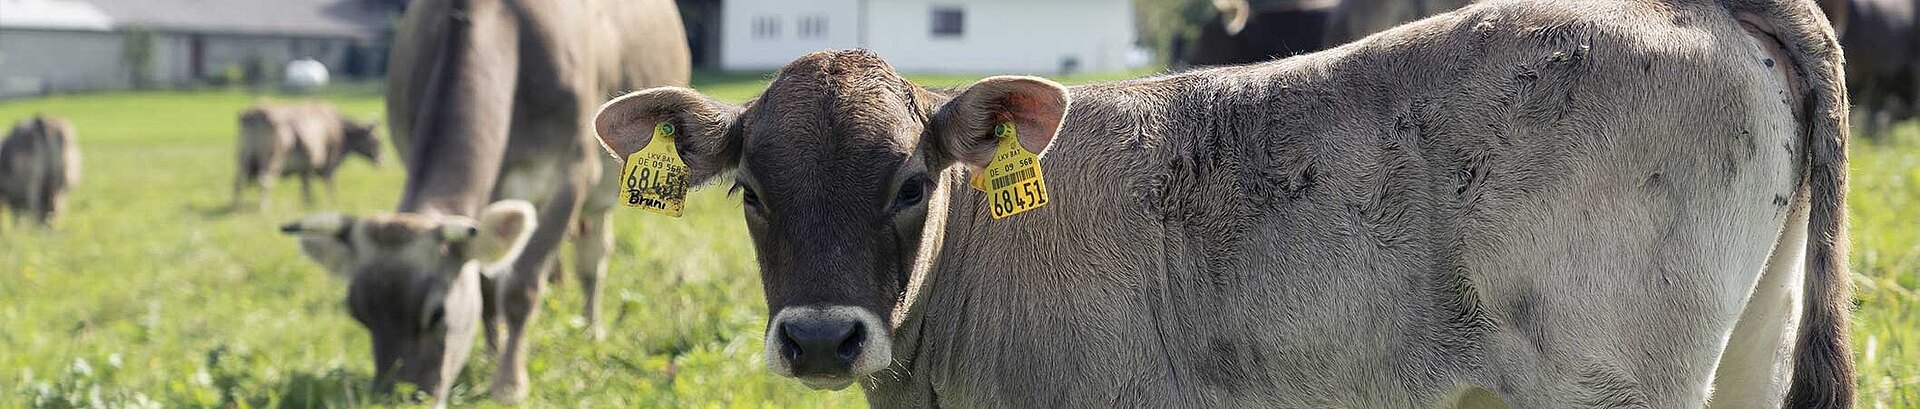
[821,345]
[850,346]
[789,348]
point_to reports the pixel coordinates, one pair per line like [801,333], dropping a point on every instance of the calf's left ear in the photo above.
[703,128]
[497,235]
[963,128]
[323,238]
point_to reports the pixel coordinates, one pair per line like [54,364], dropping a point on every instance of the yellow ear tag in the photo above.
[655,178]
[1012,179]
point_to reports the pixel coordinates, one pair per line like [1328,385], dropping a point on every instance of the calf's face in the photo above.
[839,168]
[415,282]
[363,139]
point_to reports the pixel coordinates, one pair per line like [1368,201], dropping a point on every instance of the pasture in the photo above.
[154,292]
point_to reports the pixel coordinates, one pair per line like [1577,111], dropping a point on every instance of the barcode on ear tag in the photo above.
[1013,180]
[655,179]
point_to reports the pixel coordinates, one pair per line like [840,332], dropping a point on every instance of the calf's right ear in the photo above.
[964,127]
[497,235]
[705,134]
[323,238]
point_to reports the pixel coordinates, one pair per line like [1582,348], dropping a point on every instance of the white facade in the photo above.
[972,36]
[50,46]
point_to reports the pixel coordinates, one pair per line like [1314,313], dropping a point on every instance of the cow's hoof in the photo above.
[509,392]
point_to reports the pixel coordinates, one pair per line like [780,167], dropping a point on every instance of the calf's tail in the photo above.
[1823,372]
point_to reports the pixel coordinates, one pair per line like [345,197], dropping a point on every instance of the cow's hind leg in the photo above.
[269,176]
[240,181]
[1758,363]
[491,316]
[16,209]
[590,263]
[35,202]
[520,292]
[53,203]
[595,241]
[306,188]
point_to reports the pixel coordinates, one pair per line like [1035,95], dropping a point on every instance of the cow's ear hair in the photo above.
[963,128]
[705,130]
[496,236]
[324,238]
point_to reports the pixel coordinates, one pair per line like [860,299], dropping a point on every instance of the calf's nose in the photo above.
[822,345]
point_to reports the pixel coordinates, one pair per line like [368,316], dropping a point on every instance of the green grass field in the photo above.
[152,292]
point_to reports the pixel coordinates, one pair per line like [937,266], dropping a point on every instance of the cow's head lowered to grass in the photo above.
[843,168]
[415,281]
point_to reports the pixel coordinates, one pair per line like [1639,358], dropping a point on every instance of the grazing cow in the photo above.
[1359,18]
[1604,203]
[39,162]
[308,140]
[1882,42]
[1247,32]
[492,101]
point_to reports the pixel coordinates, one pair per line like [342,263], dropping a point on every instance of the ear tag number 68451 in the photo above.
[655,179]
[1012,180]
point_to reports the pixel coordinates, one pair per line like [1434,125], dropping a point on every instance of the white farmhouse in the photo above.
[959,36]
[50,46]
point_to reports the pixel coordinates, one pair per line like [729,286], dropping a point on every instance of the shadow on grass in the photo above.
[219,210]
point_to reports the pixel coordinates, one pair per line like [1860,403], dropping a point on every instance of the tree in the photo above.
[1164,23]
[136,53]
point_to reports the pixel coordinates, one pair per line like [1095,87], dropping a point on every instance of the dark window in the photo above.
[766,27]
[949,21]
[813,26]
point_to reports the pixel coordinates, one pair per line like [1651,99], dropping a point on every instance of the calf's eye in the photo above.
[747,197]
[911,194]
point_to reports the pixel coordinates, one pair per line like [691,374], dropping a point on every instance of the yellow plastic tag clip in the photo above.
[1012,180]
[655,178]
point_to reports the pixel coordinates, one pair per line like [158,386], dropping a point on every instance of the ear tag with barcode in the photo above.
[655,178]
[1012,180]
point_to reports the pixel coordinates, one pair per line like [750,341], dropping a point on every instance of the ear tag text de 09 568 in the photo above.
[655,178]
[1012,180]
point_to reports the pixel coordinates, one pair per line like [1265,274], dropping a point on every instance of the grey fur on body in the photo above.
[307,139]
[490,102]
[39,165]
[1548,203]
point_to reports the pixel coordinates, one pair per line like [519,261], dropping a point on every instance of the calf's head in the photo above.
[843,169]
[363,139]
[415,281]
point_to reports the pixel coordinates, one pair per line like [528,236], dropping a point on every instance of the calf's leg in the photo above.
[520,292]
[590,263]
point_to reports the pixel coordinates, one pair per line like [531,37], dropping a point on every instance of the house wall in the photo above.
[748,43]
[33,62]
[997,36]
[222,51]
[1005,36]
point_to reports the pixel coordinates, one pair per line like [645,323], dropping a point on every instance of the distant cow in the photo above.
[309,140]
[1882,42]
[1243,31]
[39,163]
[1359,18]
[1555,204]
[491,103]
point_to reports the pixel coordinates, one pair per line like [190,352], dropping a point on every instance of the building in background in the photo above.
[963,36]
[49,46]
